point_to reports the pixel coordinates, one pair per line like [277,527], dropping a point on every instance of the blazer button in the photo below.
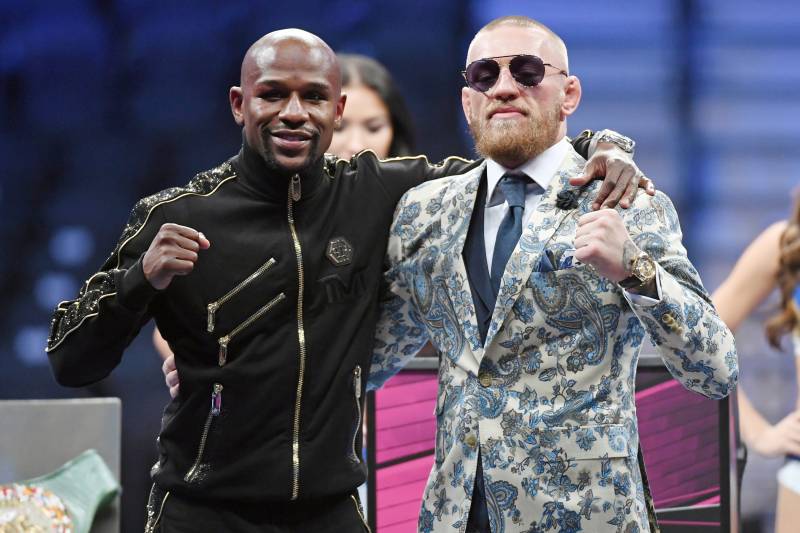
[471,441]
[669,320]
[485,379]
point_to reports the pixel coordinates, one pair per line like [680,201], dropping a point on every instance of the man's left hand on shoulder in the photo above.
[622,181]
[602,241]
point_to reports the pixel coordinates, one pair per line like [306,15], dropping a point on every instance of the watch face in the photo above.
[644,268]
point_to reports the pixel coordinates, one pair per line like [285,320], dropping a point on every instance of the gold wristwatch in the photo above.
[643,271]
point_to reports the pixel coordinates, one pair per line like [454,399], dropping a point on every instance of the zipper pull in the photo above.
[212,308]
[294,187]
[223,349]
[216,399]
[357,381]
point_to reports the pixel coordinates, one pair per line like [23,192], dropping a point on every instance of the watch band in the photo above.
[626,144]
[631,282]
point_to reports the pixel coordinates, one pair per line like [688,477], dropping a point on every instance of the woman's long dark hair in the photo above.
[788,280]
[358,69]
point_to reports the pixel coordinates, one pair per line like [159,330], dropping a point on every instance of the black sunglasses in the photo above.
[526,70]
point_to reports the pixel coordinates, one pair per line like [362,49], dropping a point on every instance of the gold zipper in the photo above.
[215,305]
[294,196]
[152,518]
[216,407]
[223,341]
[357,392]
[360,513]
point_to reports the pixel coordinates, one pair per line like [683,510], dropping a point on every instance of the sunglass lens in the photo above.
[527,70]
[482,74]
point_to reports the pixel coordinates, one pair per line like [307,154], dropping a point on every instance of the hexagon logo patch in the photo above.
[339,251]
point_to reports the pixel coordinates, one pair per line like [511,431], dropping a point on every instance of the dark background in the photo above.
[103,102]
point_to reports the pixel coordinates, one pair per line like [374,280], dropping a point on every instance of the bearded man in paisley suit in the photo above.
[539,306]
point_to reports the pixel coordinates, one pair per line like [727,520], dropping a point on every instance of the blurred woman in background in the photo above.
[376,116]
[771,261]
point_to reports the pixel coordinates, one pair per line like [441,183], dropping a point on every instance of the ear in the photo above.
[340,107]
[465,103]
[236,98]
[572,96]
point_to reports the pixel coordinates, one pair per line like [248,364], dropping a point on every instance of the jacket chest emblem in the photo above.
[339,251]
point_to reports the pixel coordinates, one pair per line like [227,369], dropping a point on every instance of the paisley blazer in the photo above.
[549,397]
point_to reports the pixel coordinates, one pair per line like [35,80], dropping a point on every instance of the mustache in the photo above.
[267,132]
[505,107]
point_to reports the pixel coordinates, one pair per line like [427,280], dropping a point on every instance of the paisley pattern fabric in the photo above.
[550,397]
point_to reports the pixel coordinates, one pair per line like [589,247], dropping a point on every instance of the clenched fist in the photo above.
[603,242]
[173,252]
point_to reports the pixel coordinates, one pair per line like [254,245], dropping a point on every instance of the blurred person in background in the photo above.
[376,116]
[771,261]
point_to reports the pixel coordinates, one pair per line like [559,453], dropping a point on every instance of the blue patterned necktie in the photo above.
[510,230]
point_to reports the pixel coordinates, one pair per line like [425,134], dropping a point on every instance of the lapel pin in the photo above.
[567,199]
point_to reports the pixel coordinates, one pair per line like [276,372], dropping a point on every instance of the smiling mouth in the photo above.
[291,140]
[292,135]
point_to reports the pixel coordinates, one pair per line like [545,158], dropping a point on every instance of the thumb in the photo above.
[590,171]
[205,244]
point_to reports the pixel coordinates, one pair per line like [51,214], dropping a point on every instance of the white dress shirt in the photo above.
[541,169]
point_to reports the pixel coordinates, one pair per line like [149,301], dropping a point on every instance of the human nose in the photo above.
[356,141]
[293,112]
[506,87]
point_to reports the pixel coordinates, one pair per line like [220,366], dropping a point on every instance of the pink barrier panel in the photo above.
[678,430]
[404,409]
[679,435]
[399,494]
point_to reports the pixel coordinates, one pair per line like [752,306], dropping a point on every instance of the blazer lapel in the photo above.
[537,233]
[457,208]
[475,261]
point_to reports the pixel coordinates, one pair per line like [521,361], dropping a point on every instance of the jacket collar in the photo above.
[255,175]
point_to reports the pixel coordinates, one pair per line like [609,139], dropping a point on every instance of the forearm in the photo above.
[751,423]
[397,341]
[399,334]
[89,334]
[796,347]
[752,279]
[695,344]
[398,175]
[582,142]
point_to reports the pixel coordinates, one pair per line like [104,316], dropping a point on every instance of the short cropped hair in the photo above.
[525,22]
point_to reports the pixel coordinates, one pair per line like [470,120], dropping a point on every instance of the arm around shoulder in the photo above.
[400,174]
[400,333]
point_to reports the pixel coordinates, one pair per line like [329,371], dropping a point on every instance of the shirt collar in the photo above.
[540,169]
